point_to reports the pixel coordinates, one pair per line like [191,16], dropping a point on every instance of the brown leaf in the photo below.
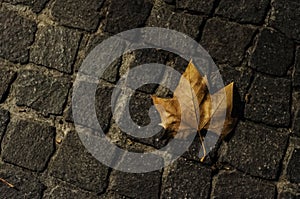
[197,107]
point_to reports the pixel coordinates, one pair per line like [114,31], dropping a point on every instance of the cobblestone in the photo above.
[16,36]
[257,150]
[269,101]
[69,13]
[6,78]
[296,75]
[273,53]
[235,184]
[28,144]
[4,119]
[229,46]
[55,47]
[194,5]
[293,169]
[253,11]
[35,5]
[42,93]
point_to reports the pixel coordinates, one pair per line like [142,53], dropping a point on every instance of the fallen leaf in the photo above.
[197,107]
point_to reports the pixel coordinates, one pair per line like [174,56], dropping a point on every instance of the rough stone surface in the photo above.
[4,119]
[296,75]
[146,185]
[225,41]
[269,101]
[187,179]
[6,78]
[163,16]
[256,149]
[28,144]
[293,169]
[74,164]
[273,53]
[35,5]
[237,185]
[194,5]
[286,17]
[253,11]
[76,14]
[16,36]
[62,192]
[26,184]
[40,92]
[125,15]
[55,47]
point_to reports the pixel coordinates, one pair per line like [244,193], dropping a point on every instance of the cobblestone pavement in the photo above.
[255,43]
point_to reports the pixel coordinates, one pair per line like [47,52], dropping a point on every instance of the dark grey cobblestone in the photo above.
[4,119]
[286,17]
[74,13]
[269,101]
[35,5]
[74,164]
[273,53]
[257,150]
[186,179]
[296,75]
[40,92]
[16,36]
[6,78]
[28,144]
[293,169]
[225,41]
[252,11]
[194,5]
[55,47]
[234,184]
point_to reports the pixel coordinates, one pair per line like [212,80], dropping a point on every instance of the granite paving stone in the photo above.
[164,16]
[28,144]
[125,15]
[269,101]
[16,36]
[187,179]
[256,149]
[146,185]
[6,79]
[74,164]
[204,6]
[4,119]
[253,11]
[293,169]
[234,184]
[74,13]
[273,54]
[35,5]
[296,75]
[226,41]
[286,17]
[55,47]
[27,185]
[40,92]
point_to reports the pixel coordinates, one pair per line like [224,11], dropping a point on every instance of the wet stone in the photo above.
[28,144]
[187,179]
[195,5]
[237,185]
[253,11]
[74,164]
[125,15]
[26,184]
[164,16]
[6,79]
[230,46]
[69,13]
[293,169]
[4,119]
[273,54]
[16,36]
[256,149]
[35,5]
[269,101]
[136,185]
[55,47]
[286,17]
[42,93]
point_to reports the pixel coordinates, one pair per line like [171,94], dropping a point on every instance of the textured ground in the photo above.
[255,43]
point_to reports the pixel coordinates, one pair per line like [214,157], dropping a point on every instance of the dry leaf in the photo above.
[197,106]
